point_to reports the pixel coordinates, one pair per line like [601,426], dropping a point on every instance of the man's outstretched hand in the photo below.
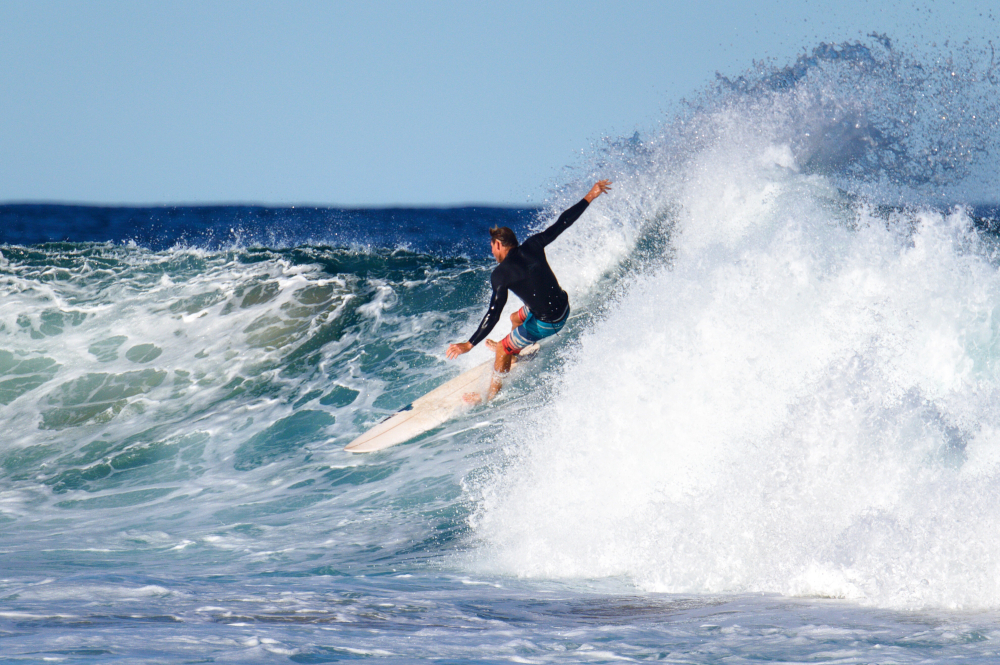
[600,187]
[455,350]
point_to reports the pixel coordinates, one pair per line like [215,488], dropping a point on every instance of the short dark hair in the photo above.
[504,235]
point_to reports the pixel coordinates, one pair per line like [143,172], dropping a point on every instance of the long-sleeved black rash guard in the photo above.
[526,272]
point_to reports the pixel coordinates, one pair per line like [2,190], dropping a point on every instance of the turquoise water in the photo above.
[769,432]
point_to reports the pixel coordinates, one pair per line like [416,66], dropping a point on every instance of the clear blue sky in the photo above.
[377,103]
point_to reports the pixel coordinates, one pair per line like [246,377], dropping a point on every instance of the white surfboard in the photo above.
[425,413]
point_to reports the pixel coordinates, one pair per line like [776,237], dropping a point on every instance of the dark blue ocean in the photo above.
[770,431]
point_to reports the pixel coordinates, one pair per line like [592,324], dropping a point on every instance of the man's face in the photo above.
[497,249]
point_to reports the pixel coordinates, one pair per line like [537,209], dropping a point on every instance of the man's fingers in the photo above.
[455,350]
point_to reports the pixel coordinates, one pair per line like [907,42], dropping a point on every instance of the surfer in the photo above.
[524,270]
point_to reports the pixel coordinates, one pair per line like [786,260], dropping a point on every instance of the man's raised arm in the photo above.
[572,214]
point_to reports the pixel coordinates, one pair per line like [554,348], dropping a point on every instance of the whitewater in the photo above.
[770,430]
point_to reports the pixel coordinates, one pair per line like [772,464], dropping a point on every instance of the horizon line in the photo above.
[391,206]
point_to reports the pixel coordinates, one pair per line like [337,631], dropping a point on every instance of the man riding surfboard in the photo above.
[524,270]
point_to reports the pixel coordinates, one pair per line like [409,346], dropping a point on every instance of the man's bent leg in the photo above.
[501,366]
[519,338]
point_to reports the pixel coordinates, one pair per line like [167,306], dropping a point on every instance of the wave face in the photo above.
[792,381]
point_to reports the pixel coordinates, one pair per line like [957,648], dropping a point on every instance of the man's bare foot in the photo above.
[472,398]
[491,345]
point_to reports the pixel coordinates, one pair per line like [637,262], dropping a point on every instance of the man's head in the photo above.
[502,240]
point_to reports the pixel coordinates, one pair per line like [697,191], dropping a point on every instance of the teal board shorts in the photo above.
[531,331]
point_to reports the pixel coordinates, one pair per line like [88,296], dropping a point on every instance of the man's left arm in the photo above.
[497,302]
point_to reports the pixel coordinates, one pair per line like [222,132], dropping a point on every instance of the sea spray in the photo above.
[802,396]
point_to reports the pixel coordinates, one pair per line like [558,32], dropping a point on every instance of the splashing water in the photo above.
[802,394]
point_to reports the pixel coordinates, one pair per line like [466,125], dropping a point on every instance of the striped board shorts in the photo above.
[531,331]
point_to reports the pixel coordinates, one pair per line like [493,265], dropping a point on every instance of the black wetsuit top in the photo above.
[526,272]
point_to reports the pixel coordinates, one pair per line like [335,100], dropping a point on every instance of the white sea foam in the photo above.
[802,396]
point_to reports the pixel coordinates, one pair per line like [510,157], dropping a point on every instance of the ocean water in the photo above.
[770,432]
